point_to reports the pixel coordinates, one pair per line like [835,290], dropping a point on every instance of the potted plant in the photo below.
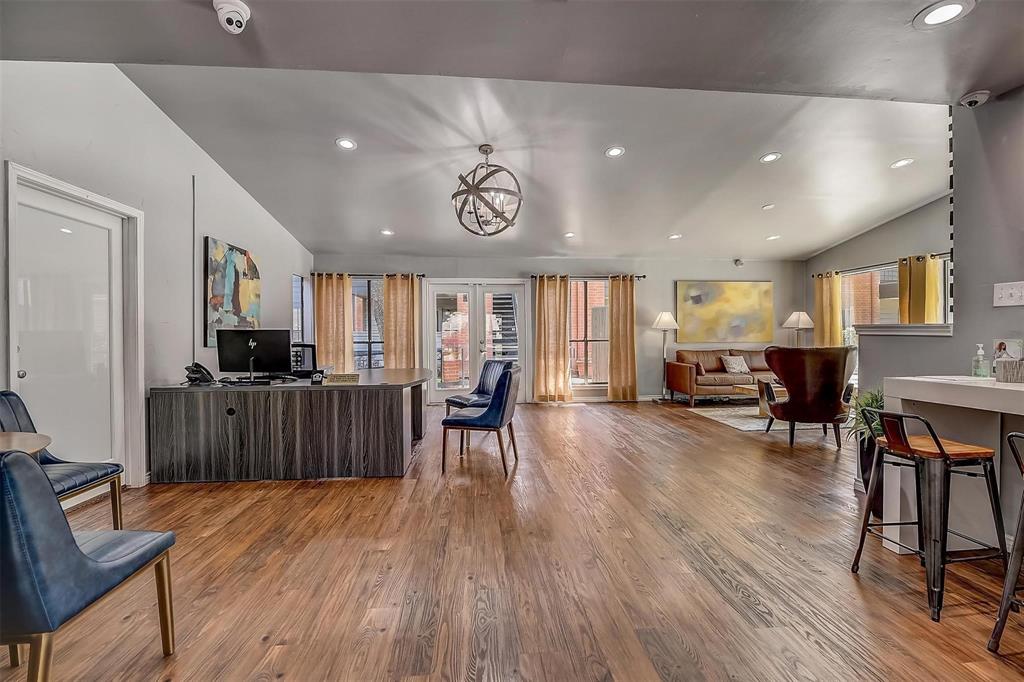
[865,433]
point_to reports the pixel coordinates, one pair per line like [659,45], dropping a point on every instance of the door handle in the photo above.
[22,374]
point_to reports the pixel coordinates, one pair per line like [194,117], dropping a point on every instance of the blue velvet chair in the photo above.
[495,417]
[67,478]
[481,395]
[50,575]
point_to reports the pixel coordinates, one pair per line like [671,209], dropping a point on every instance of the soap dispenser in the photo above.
[980,366]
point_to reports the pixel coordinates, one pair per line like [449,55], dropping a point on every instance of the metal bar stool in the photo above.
[1009,600]
[933,459]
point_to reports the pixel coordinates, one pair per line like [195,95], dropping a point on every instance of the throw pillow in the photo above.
[700,370]
[735,364]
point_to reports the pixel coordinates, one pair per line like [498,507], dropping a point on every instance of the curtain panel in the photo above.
[332,320]
[401,321]
[551,340]
[828,321]
[622,337]
[919,289]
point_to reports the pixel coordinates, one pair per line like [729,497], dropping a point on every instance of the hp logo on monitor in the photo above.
[252,344]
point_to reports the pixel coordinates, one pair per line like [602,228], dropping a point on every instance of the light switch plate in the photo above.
[1007,294]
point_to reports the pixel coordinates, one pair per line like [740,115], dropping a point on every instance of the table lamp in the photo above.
[797,321]
[665,322]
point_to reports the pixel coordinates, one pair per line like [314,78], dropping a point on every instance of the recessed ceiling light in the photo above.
[773,237]
[386,232]
[941,13]
[771,157]
[901,163]
[675,236]
[65,230]
[346,143]
[570,235]
[614,152]
[767,207]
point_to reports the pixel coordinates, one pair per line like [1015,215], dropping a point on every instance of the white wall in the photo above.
[654,294]
[88,125]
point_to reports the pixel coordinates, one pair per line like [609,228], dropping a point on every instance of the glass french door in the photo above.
[470,323]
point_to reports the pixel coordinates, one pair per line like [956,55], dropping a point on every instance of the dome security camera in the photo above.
[232,15]
[738,263]
[973,100]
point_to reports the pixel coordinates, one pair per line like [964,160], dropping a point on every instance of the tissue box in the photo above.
[1010,371]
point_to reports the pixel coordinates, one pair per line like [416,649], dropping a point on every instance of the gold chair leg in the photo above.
[512,437]
[115,503]
[165,603]
[469,437]
[40,657]
[501,447]
[15,652]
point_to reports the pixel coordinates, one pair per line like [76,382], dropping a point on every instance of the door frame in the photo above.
[526,339]
[133,425]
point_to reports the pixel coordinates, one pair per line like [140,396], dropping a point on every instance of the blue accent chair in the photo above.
[481,395]
[67,478]
[495,417]
[50,575]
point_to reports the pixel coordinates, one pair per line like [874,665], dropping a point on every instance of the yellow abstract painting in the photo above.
[713,312]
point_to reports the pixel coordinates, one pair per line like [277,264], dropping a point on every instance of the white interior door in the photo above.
[66,323]
[469,323]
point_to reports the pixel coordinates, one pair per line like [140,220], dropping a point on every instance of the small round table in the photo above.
[30,443]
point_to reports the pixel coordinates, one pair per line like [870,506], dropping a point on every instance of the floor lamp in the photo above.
[797,321]
[666,323]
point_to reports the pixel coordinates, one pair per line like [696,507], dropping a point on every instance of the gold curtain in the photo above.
[622,337]
[401,321]
[551,340]
[332,310]
[919,289]
[828,303]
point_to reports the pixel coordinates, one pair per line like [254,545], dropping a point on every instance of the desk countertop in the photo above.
[959,391]
[368,378]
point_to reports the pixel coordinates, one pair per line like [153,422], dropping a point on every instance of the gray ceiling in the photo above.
[846,48]
[691,164]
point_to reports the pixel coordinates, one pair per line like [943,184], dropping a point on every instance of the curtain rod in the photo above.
[535,276]
[876,266]
[362,275]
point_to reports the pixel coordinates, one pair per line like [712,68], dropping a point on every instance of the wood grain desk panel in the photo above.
[287,431]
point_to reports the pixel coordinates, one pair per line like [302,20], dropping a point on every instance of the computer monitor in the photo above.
[266,351]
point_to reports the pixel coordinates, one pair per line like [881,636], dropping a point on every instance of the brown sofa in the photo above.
[698,373]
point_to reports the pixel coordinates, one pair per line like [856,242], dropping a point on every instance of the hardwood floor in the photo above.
[632,542]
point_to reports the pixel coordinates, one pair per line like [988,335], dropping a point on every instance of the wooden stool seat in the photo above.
[924,446]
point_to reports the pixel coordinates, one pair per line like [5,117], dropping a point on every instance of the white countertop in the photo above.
[961,391]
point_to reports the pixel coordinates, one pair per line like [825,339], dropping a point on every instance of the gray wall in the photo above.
[923,230]
[89,125]
[654,294]
[988,215]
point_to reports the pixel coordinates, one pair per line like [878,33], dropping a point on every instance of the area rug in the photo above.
[744,418]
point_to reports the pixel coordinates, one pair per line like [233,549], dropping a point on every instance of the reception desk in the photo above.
[287,431]
[977,411]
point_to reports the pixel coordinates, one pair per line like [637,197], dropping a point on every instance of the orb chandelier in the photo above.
[489,197]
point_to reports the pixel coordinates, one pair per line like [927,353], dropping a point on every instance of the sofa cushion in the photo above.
[706,360]
[755,359]
[723,379]
[764,376]
[735,364]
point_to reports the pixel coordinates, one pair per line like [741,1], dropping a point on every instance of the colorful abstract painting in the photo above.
[713,312]
[232,289]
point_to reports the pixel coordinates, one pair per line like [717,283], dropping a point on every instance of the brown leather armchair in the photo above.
[817,380]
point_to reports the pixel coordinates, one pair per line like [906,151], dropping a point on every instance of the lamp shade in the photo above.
[665,321]
[799,320]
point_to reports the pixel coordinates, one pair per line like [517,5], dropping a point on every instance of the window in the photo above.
[872,296]
[298,309]
[368,322]
[588,331]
